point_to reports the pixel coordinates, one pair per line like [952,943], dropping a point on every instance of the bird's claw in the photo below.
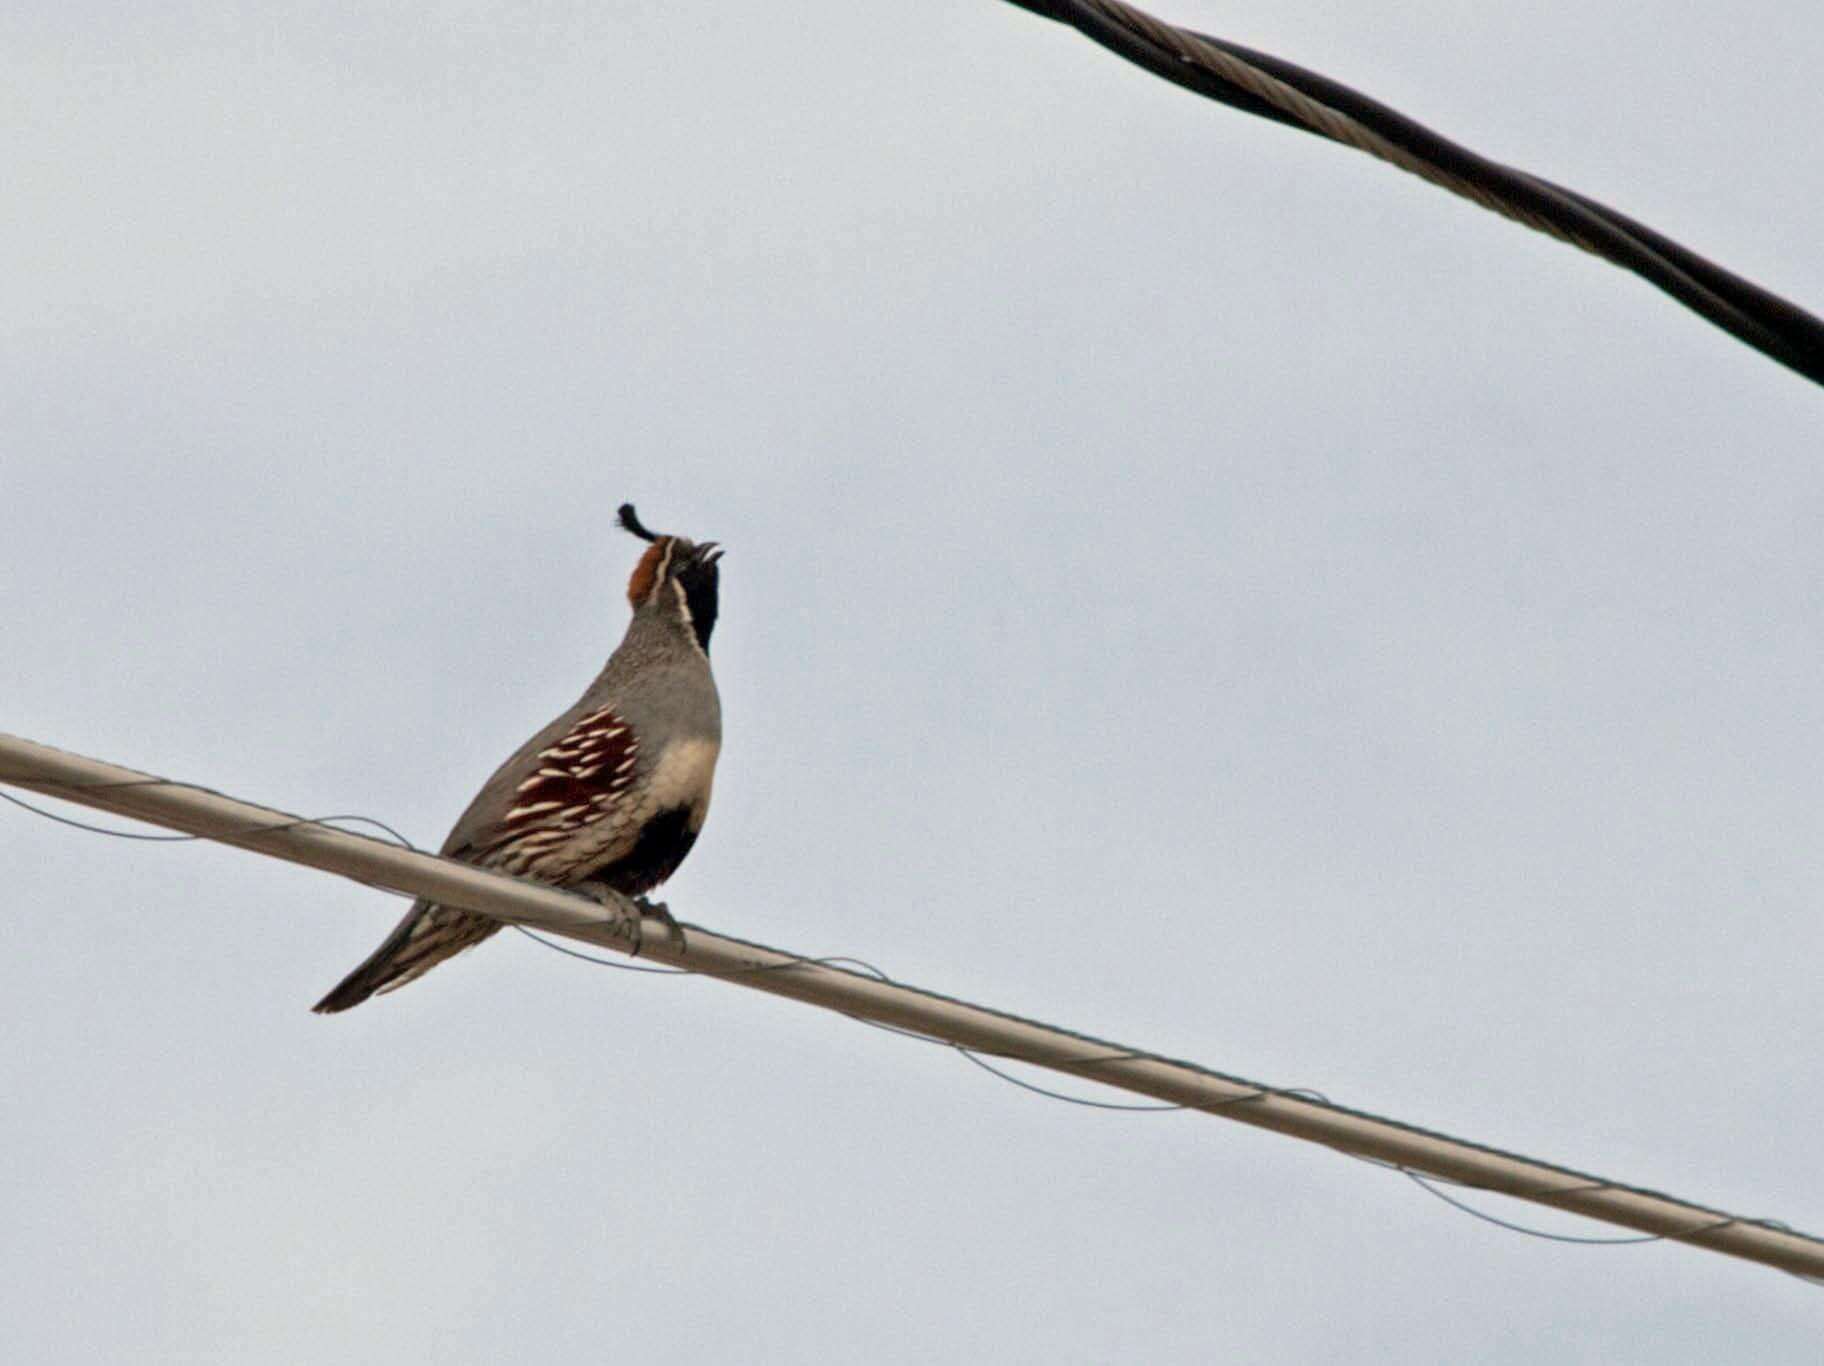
[626,926]
[659,911]
[633,927]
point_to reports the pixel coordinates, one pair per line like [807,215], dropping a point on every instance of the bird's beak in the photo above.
[709,552]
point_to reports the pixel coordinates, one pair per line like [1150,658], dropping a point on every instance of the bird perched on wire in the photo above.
[609,795]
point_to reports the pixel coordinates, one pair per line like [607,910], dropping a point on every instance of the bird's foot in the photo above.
[659,911]
[627,925]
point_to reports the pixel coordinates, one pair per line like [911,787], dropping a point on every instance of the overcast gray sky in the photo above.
[1184,580]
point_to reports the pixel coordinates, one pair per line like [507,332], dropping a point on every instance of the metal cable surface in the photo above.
[1269,87]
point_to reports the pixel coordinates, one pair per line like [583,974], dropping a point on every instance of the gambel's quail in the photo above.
[610,794]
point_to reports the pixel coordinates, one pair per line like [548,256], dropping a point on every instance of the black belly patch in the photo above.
[655,856]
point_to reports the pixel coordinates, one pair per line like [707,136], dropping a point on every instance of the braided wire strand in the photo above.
[1272,88]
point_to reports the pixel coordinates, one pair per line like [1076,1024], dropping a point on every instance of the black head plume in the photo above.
[630,520]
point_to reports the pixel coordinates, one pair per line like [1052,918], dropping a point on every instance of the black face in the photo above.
[698,578]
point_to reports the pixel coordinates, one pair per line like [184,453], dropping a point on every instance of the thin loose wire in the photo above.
[1427,1185]
[1428,1181]
[1012,1080]
[264,828]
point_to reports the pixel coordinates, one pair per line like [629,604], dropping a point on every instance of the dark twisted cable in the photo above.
[1272,88]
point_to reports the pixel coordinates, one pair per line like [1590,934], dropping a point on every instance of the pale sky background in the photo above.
[1185,580]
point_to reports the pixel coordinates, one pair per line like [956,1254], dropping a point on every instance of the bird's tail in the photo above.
[429,934]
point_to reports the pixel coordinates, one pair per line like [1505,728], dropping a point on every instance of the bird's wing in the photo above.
[572,774]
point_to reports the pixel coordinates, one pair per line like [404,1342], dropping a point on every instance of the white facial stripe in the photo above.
[664,568]
[690,622]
